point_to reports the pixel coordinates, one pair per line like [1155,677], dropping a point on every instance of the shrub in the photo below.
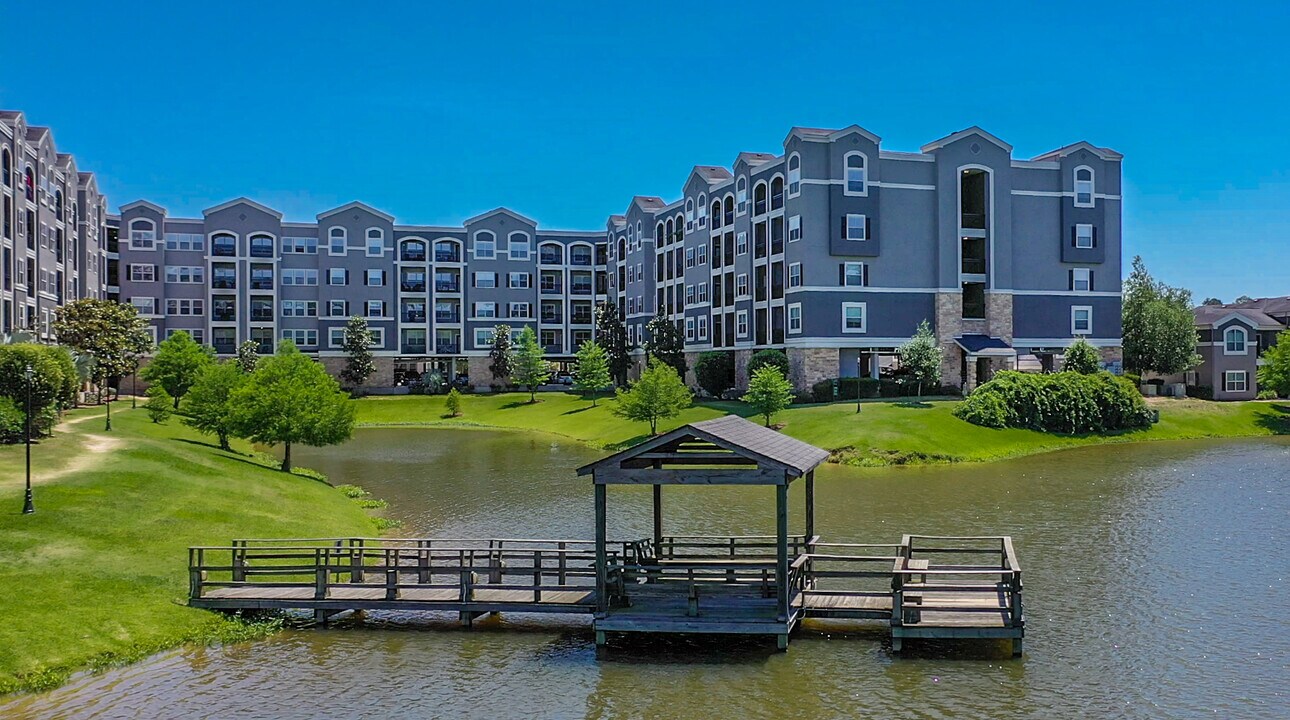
[159,404]
[715,372]
[11,422]
[1203,392]
[453,402]
[777,358]
[1065,402]
[1267,394]
[1081,357]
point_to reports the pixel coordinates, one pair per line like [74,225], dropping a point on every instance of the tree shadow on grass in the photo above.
[1277,421]
[577,410]
[518,404]
[630,442]
[913,404]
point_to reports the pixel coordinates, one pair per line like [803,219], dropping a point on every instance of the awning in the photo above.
[984,345]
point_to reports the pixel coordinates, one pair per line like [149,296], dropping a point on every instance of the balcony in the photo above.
[550,258]
[224,315]
[555,348]
[224,347]
[413,286]
[261,250]
[551,318]
[262,283]
[414,316]
[449,286]
[223,249]
[972,221]
[224,283]
[973,266]
[443,347]
[441,316]
[447,256]
[412,253]
[551,288]
[412,347]
[581,319]
[261,316]
[582,259]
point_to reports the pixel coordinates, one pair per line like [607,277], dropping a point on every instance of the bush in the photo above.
[1064,402]
[453,402]
[1267,394]
[11,422]
[1203,392]
[777,358]
[159,404]
[715,372]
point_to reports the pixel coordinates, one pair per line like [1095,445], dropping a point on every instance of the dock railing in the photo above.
[942,580]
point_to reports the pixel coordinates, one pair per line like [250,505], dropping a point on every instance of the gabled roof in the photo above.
[825,135]
[985,345]
[1216,315]
[143,204]
[500,211]
[1061,152]
[711,174]
[617,220]
[753,159]
[766,448]
[955,137]
[242,201]
[356,205]
[648,203]
[1270,305]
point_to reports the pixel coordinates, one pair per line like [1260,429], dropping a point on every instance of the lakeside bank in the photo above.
[885,432]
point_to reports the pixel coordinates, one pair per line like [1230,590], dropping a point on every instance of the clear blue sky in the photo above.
[563,111]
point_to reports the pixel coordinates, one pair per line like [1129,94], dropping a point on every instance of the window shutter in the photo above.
[865,268]
[1070,279]
[347,277]
[844,227]
[1094,236]
[1090,281]
[868,234]
[1072,236]
[842,274]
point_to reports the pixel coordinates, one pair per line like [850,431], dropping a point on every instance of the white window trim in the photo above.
[1227,381]
[789,182]
[846,273]
[846,181]
[367,308]
[1245,341]
[344,236]
[741,321]
[864,317]
[1078,236]
[788,318]
[794,225]
[510,280]
[1075,279]
[367,277]
[797,265]
[741,243]
[332,340]
[1092,186]
[528,246]
[378,337]
[864,230]
[742,279]
[344,279]
[474,245]
[741,196]
[1075,309]
[689,329]
[367,242]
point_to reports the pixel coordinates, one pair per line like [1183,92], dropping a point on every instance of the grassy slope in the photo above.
[883,433]
[98,574]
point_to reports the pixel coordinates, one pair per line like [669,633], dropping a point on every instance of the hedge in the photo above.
[851,388]
[1064,402]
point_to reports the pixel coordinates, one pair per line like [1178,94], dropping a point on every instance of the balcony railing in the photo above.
[413,286]
[225,347]
[223,250]
[550,317]
[551,288]
[261,316]
[552,347]
[549,259]
[224,284]
[413,256]
[973,266]
[582,260]
[447,317]
[414,316]
[443,286]
[581,319]
[975,221]
[580,289]
[261,284]
[262,251]
[447,348]
[227,316]
[441,256]
[414,348]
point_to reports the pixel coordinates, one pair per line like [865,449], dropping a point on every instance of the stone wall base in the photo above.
[807,366]
[691,359]
[481,378]
[382,375]
[742,357]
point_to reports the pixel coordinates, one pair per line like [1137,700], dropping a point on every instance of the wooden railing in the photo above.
[925,578]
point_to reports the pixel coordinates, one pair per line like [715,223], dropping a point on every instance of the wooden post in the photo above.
[391,574]
[658,515]
[322,556]
[810,511]
[239,561]
[356,561]
[602,585]
[781,547]
[195,573]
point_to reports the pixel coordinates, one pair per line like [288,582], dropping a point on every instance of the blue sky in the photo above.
[564,111]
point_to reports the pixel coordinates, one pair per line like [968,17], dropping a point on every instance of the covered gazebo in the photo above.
[706,583]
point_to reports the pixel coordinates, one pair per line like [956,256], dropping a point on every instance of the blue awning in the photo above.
[985,345]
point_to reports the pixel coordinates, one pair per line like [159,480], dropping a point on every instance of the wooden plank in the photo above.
[649,476]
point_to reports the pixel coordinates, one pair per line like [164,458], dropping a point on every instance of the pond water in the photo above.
[1155,575]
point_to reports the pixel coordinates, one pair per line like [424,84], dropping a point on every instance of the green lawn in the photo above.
[98,575]
[883,433]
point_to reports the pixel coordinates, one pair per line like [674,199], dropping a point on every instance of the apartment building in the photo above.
[431,295]
[1230,339]
[53,232]
[835,249]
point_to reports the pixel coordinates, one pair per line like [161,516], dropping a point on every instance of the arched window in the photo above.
[1234,340]
[703,210]
[622,249]
[640,236]
[337,241]
[447,251]
[551,254]
[669,231]
[857,174]
[659,238]
[261,246]
[741,194]
[689,210]
[729,210]
[794,175]
[777,193]
[375,242]
[517,245]
[6,166]
[716,214]
[412,250]
[485,245]
[759,199]
[143,234]
[1084,186]
[58,204]
[29,183]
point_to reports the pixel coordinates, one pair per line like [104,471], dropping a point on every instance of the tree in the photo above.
[177,364]
[501,359]
[291,399]
[657,395]
[772,357]
[921,357]
[209,403]
[768,392]
[357,344]
[1212,301]
[531,370]
[158,405]
[715,372]
[1242,300]
[592,373]
[453,403]
[48,385]
[1274,373]
[611,334]
[248,356]
[1081,357]
[111,332]
[1159,329]
[666,343]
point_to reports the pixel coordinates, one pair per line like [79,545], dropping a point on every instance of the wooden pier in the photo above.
[922,586]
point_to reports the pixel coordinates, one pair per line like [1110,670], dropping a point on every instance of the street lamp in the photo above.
[28,507]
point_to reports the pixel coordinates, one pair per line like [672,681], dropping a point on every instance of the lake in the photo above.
[1155,576]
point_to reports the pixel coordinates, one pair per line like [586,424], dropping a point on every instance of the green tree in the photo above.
[291,399]
[715,372]
[48,384]
[666,343]
[177,364]
[248,355]
[658,394]
[453,403]
[357,345]
[921,357]
[531,369]
[592,373]
[1274,373]
[1159,329]
[1212,301]
[209,403]
[770,356]
[159,404]
[501,357]
[1242,300]
[1082,357]
[611,334]
[768,392]
[110,332]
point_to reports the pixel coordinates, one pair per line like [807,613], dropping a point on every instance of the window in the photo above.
[795,274]
[485,245]
[689,257]
[794,175]
[337,276]
[639,275]
[741,324]
[853,317]
[1081,279]
[689,329]
[853,274]
[375,277]
[741,285]
[741,195]
[483,337]
[702,292]
[518,280]
[299,246]
[689,295]
[1083,236]
[485,309]
[302,338]
[1081,320]
[185,241]
[776,193]
[701,255]
[857,174]
[1083,186]
[1234,381]
[518,310]
[197,334]
[703,210]
[299,308]
[485,279]
[143,234]
[795,228]
[1234,341]
[759,199]
[145,305]
[299,276]
[378,337]
[338,308]
[856,228]
[716,213]
[518,246]
[375,308]
[336,337]
[337,241]
[375,242]
[689,212]
[185,274]
[143,273]
[741,243]
[185,307]
[795,318]
[703,327]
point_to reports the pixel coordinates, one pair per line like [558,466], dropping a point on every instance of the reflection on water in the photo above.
[1155,582]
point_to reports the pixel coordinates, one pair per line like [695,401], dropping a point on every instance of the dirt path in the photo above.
[93,446]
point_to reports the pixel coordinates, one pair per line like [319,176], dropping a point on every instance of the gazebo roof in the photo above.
[731,443]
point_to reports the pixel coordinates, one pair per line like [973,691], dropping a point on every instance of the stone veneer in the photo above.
[949,323]
[742,358]
[998,316]
[382,375]
[480,376]
[807,366]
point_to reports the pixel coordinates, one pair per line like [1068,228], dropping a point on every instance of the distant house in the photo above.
[1231,337]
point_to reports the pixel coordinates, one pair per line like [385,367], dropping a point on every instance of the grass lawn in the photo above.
[98,575]
[883,433]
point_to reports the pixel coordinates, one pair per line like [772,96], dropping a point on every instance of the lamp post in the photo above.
[134,385]
[28,507]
